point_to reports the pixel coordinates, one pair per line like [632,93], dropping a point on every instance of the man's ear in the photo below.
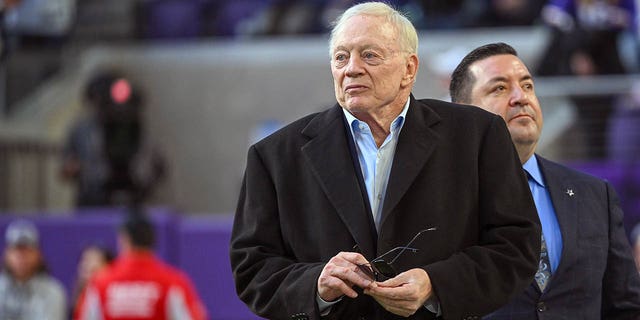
[411,71]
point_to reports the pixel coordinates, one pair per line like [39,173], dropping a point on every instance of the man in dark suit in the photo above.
[327,194]
[586,267]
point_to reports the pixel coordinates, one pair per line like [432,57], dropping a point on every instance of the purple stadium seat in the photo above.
[232,13]
[173,19]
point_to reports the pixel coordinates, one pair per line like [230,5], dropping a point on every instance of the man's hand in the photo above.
[404,294]
[340,274]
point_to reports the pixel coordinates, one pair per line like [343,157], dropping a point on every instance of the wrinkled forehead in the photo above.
[365,30]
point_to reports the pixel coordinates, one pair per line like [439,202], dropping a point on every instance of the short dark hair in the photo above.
[106,252]
[462,80]
[140,230]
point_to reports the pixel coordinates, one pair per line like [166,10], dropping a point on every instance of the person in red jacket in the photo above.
[138,285]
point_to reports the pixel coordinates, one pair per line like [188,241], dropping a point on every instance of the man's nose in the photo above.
[519,96]
[354,67]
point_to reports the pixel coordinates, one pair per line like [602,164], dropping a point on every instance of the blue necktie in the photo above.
[544,267]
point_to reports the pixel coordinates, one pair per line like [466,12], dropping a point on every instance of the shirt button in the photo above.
[542,307]
[380,197]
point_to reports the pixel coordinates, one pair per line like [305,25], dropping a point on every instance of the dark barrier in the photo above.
[199,245]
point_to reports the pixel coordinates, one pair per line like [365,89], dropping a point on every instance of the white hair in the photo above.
[408,36]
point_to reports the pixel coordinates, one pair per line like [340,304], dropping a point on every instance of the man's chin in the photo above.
[354,107]
[529,131]
[524,139]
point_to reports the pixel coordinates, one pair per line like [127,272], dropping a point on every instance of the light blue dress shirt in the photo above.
[546,212]
[375,162]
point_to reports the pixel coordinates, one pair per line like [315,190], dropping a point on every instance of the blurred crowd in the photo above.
[134,284]
[195,18]
[243,18]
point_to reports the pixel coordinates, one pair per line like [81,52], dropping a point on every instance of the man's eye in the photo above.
[370,56]
[497,90]
[340,57]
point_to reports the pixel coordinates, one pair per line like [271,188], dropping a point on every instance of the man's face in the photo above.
[91,261]
[369,68]
[504,86]
[23,260]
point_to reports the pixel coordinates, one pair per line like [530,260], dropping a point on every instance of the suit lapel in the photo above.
[331,162]
[566,212]
[415,144]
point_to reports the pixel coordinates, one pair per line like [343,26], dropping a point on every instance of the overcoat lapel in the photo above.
[416,143]
[330,160]
[566,211]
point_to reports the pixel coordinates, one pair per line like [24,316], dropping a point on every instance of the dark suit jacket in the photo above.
[596,278]
[455,169]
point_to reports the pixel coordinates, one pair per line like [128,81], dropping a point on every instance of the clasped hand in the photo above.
[402,295]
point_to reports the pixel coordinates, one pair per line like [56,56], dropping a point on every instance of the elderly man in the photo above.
[326,199]
[586,267]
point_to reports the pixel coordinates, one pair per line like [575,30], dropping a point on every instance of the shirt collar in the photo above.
[533,169]
[397,123]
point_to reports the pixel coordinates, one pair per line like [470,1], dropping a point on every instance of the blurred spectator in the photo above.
[42,18]
[241,17]
[36,31]
[171,19]
[106,153]
[624,151]
[499,13]
[624,125]
[5,6]
[92,259]
[445,14]
[27,291]
[585,35]
[295,17]
[635,244]
[138,285]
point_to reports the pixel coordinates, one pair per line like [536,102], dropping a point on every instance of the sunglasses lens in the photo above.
[384,269]
[367,270]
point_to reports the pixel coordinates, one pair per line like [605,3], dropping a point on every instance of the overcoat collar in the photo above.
[328,155]
[417,141]
[330,160]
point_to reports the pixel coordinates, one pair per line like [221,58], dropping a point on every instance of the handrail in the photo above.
[24,170]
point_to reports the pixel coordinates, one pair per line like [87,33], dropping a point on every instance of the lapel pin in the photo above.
[570,192]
